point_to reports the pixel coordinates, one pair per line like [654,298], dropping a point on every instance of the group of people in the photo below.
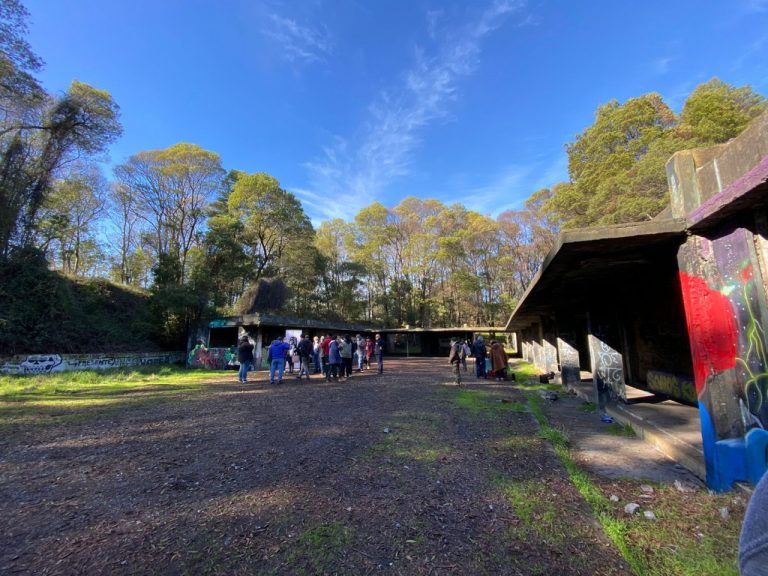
[457,358]
[334,357]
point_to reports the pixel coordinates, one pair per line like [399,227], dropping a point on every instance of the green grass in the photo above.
[527,378]
[616,429]
[588,407]
[412,438]
[481,403]
[318,550]
[534,506]
[77,395]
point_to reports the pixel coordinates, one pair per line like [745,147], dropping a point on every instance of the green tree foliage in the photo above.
[616,166]
[66,228]
[171,189]
[716,111]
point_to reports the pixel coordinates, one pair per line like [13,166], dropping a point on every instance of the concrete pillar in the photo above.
[607,363]
[569,355]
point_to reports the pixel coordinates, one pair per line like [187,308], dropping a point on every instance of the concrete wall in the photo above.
[49,363]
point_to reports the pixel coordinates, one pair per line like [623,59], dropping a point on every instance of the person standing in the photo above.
[478,351]
[245,357]
[304,348]
[316,350]
[499,361]
[465,351]
[454,359]
[334,359]
[277,351]
[345,350]
[360,341]
[369,347]
[325,349]
[379,347]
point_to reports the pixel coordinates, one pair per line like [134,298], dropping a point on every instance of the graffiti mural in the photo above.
[48,363]
[42,364]
[212,358]
[725,310]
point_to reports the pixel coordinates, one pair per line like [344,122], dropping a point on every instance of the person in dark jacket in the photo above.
[245,357]
[478,351]
[379,346]
[304,348]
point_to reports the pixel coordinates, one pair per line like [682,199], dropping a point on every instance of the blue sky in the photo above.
[349,102]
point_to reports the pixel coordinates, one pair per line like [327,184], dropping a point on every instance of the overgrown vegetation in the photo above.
[44,311]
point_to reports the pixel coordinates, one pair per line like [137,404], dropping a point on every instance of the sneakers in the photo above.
[271,381]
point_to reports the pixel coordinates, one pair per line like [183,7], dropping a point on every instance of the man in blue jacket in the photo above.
[277,351]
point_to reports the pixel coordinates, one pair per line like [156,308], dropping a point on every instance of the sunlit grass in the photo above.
[478,402]
[35,398]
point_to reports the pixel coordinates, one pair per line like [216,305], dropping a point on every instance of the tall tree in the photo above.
[35,145]
[66,225]
[173,187]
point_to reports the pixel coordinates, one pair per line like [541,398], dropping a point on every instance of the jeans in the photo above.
[480,367]
[245,365]
[380,358]
[304,367]
[316,359]
[276,365]
[360,359]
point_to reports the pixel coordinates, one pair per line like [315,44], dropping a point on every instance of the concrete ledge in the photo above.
[688,455]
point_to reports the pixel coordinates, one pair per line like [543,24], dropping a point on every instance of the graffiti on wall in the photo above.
[212,358]
[48,363]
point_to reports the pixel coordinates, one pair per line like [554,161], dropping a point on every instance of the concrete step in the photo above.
[665,440]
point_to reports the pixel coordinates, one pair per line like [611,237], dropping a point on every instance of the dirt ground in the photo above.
[391,474]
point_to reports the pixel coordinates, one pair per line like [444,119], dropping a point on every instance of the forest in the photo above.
[193,239]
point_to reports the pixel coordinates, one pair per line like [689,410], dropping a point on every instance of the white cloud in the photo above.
[355,170]
[299,44]
[661,65]
[757,5]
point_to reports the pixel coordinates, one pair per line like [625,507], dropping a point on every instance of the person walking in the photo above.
[499,361]
[479,352]
[345,350]
[277,351]
[379,346]
[304,348]
[454,359]
[245,357]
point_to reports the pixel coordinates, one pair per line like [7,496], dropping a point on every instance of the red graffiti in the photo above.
[711,328]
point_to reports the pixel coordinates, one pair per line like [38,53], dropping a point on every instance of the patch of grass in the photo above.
[411,437]
[616,429]
[77,395]
[534,506]
[318,550]
[478,402]
[588,407]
